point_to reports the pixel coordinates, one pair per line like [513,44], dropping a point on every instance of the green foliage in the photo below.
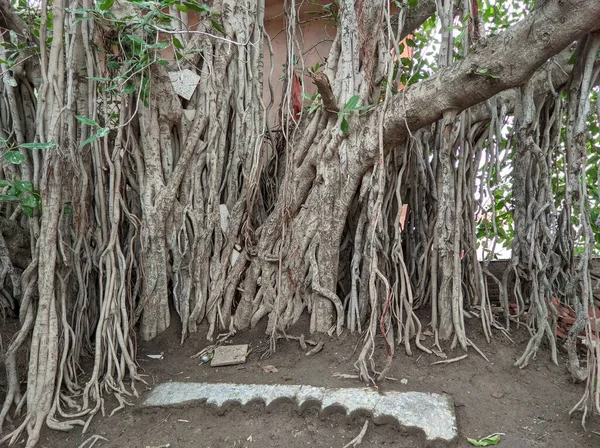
[349,107]
[328,11]
[22,192]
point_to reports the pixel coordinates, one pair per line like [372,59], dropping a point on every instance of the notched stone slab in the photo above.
[431,413]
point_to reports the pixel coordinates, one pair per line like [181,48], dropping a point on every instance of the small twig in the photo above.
[448,361]
[302,342]
[93,439]
[358,439]
[315,350]
[350,376]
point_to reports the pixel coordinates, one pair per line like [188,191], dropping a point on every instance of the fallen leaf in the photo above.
[270,369]
[486,441]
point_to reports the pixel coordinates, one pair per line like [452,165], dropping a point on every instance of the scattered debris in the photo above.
[316,349]
[250,439]
[345,376]
[492,439]
[404,381]
[210,349]
[183,420]
[270,369]
[358,439]
[159,356]
[448,361]
[498,395]
[205,358]
[230,355]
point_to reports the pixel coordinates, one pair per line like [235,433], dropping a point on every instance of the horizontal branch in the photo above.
[496,64]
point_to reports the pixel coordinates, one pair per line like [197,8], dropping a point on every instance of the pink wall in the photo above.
[315,36]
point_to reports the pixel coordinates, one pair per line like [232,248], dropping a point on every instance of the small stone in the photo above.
[404,381]
[498,394]
[228,356]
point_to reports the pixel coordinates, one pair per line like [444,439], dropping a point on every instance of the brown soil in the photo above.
[530,406]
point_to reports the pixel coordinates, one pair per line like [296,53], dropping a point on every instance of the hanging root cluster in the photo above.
[126,197]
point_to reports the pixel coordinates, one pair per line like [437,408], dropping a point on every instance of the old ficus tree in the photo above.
[363,204]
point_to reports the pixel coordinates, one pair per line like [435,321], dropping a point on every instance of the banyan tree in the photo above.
[166,160]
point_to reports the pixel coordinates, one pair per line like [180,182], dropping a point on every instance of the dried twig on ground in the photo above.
[358,439]
[449,361]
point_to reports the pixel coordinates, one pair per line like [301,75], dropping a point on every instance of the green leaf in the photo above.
[344,126]
[217,26]
[352,103]
[482,71]
[129,89]
[177,44]
[4,183]
[99,133]
[87,121]
[106,4]
[28,211]
[572,58]
[22,186]
[8,197]
[46,145]
[413,3]
[486,441]
[99,79]
[30,201]
[14,157]
[197,7]
[113,65]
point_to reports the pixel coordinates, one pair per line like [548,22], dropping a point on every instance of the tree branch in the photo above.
[324,86]
[415,17]
[11,22]
[502,62]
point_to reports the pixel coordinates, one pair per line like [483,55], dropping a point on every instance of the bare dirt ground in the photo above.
[529,406]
